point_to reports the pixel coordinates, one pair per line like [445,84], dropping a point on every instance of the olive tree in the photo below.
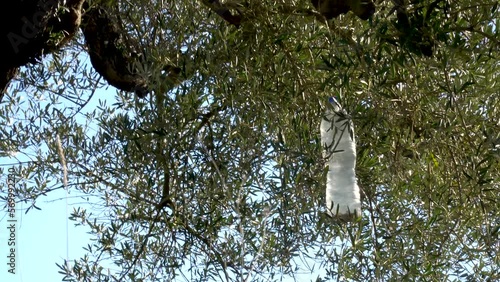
[207,164]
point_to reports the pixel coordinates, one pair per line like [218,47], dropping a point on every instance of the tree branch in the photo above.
[223,11]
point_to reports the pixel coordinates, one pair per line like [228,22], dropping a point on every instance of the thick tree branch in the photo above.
[111,54]
[32,28]
[223,11]
[333,8]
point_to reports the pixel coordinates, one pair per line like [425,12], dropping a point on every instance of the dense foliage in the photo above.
[221,178]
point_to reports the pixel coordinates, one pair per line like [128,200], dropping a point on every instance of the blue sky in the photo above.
[44,237]
[42,240]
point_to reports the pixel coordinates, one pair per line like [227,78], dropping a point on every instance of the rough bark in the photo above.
[114,58]
[31,28]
